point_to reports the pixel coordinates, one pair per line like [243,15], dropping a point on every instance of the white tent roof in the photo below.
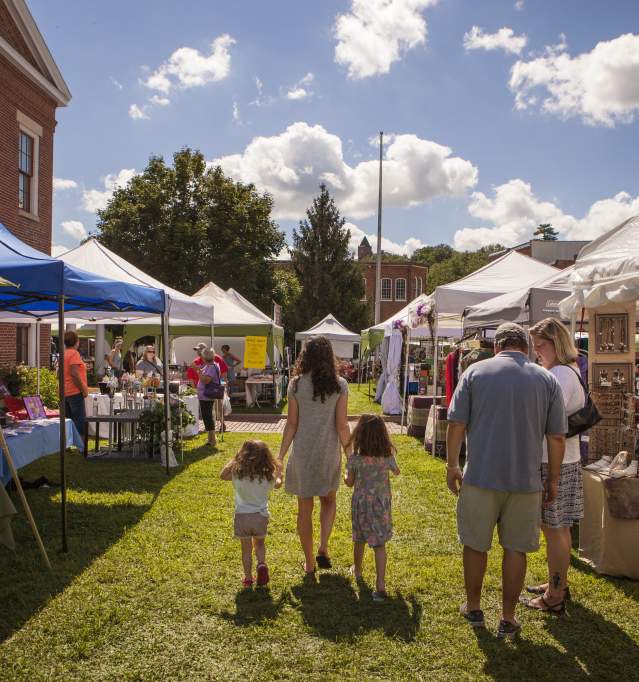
[229,309]
[404,315]
[331,328]
[96,258]
[607,270]
[513,306]
[245,303]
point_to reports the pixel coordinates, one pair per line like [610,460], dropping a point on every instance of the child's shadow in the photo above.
[254,607]
[335,610]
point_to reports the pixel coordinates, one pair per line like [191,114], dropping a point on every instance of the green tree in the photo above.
[330,279]
[187,224]
[429,255]
[547,232]
[460,264]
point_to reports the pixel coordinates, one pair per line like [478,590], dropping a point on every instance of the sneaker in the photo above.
[508,630]
[600,464]
[629,471]
[475,617]
[247,583]
[379,595]
[262,575]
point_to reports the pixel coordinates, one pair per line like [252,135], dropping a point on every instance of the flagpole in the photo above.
[378,274]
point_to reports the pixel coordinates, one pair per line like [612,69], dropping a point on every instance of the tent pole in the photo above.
[38,355]
[165,370]
[435,376]
[63,423]
[405,396]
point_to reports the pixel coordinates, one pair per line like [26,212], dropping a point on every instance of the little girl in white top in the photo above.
[252,472]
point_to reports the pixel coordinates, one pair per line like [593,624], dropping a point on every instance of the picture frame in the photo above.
[34,406]
[611,333]
[613,376]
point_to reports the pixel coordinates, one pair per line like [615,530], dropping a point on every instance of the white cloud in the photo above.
[160,101]
[74,228]
[95,199]
[301,89]
[60,184]
[405,248]
[505,39]
[236,113]
[515,211]
[57,250]
[137,113]
[291,166]
[519,5]
[188,67]
[601,86]
[377,33]
[116,83]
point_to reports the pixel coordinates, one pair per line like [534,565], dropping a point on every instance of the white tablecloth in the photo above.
[252,387]
[192,404]
[102,402]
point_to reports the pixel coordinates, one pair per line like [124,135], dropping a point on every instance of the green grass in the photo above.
[358,403]
[150,590]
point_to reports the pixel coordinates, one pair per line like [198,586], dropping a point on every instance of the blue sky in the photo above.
[500,114]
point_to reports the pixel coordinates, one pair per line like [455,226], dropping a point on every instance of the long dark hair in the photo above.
[370,437]
[318,359]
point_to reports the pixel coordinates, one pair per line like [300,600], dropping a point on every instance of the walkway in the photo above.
[252,423]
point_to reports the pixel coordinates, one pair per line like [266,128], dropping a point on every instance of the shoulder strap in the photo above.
[581,381]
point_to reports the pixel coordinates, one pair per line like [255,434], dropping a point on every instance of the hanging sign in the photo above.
[255,352]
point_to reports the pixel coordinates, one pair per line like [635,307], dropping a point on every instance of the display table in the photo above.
[100,404]
[609,545]
[253,387]
[192,405]
[43,440]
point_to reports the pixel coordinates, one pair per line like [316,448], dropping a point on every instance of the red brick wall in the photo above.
[18,93]
[393,271]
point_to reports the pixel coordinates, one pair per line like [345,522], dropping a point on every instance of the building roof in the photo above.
[46,75]
[364,242]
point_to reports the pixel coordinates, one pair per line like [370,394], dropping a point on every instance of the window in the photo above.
[25,167]
[365,296]
[417,286]
[22,343]
[400,289]
[387,289]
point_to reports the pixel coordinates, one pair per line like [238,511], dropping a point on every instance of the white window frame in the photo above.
[397,281]
[365,296]
[390,289]
[34,130]
[418,286]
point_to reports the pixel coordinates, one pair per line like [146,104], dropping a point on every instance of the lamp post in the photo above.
[378,273]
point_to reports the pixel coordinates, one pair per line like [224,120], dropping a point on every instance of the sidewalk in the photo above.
[274,423]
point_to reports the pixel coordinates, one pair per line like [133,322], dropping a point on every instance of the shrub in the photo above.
[22,380]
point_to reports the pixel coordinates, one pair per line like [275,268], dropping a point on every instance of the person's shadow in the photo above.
[255,607]
[331,606]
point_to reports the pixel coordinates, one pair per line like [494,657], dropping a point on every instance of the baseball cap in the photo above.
[200,346]
[509,331]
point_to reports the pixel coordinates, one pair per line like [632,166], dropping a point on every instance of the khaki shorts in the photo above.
[250,525]
[516,515]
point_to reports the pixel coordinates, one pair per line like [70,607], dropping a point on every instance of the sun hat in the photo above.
[200,346]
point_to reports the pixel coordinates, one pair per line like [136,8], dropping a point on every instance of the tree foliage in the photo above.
[547,232]
[187,224]
[457,265]
[330,279]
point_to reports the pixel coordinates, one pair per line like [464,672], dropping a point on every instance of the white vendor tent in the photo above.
[526,305]
[372,337]
[342,340]
[607,270]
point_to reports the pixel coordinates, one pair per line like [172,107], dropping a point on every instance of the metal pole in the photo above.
[378,272]
[165,370]
[38,355]
[435,374]
[63,423]
[406,382]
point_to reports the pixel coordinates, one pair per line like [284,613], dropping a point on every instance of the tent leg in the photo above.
[405,396]
[63,424]
[435,375]
[38,356]
[167,395]
[23,499]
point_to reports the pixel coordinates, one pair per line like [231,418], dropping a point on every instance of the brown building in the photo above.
[31,88]
[558,253]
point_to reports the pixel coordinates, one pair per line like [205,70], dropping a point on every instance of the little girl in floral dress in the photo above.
[367,470]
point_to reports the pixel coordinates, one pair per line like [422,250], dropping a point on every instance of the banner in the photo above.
[255,352]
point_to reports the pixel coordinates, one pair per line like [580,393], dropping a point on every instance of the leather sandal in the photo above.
[545,607]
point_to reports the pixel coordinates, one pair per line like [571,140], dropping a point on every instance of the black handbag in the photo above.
[587,416]
[214,389]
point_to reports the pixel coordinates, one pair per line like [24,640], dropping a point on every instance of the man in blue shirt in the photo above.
[504,407]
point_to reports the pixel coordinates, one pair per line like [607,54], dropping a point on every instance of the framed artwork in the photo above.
[611,333]
[34,407]
[618,376]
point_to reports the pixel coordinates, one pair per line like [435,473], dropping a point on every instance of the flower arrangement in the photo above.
[399,324]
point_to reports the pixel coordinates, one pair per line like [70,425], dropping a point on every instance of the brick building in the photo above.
[31,88]
[558,253]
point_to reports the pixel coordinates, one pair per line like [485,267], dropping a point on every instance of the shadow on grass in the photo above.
[25,584]
[335,610]
[254,607]
[628,586]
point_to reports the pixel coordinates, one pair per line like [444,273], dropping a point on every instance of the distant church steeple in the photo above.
[364,250]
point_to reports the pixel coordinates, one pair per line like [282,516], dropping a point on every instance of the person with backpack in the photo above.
[209,389]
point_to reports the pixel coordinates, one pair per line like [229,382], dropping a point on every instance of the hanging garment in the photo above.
[452,374]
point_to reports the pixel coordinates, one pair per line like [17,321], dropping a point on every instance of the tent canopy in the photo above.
[331,328]
[607,270]
[38,281]
[519,305]
[95,257]
[372,337]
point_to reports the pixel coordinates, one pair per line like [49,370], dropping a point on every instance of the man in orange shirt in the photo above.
[75,381]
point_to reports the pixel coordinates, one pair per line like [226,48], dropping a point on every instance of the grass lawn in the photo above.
[150,590]
[358,403]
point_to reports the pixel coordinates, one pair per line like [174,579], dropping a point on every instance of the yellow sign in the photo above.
[255,352]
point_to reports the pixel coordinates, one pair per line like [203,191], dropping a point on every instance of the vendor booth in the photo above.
[39,287]
[605,289]
[343,341]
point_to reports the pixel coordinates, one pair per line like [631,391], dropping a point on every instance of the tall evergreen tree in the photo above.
[330,279]
[547,232]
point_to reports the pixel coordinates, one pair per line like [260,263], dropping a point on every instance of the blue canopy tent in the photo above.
[39,287]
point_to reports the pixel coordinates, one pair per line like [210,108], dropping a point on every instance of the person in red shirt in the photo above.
[75,381]
[192,374]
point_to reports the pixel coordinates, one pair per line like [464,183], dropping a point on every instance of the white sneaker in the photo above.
[600,464]
[628,471]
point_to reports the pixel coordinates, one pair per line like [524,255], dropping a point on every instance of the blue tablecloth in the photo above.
[42,441]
